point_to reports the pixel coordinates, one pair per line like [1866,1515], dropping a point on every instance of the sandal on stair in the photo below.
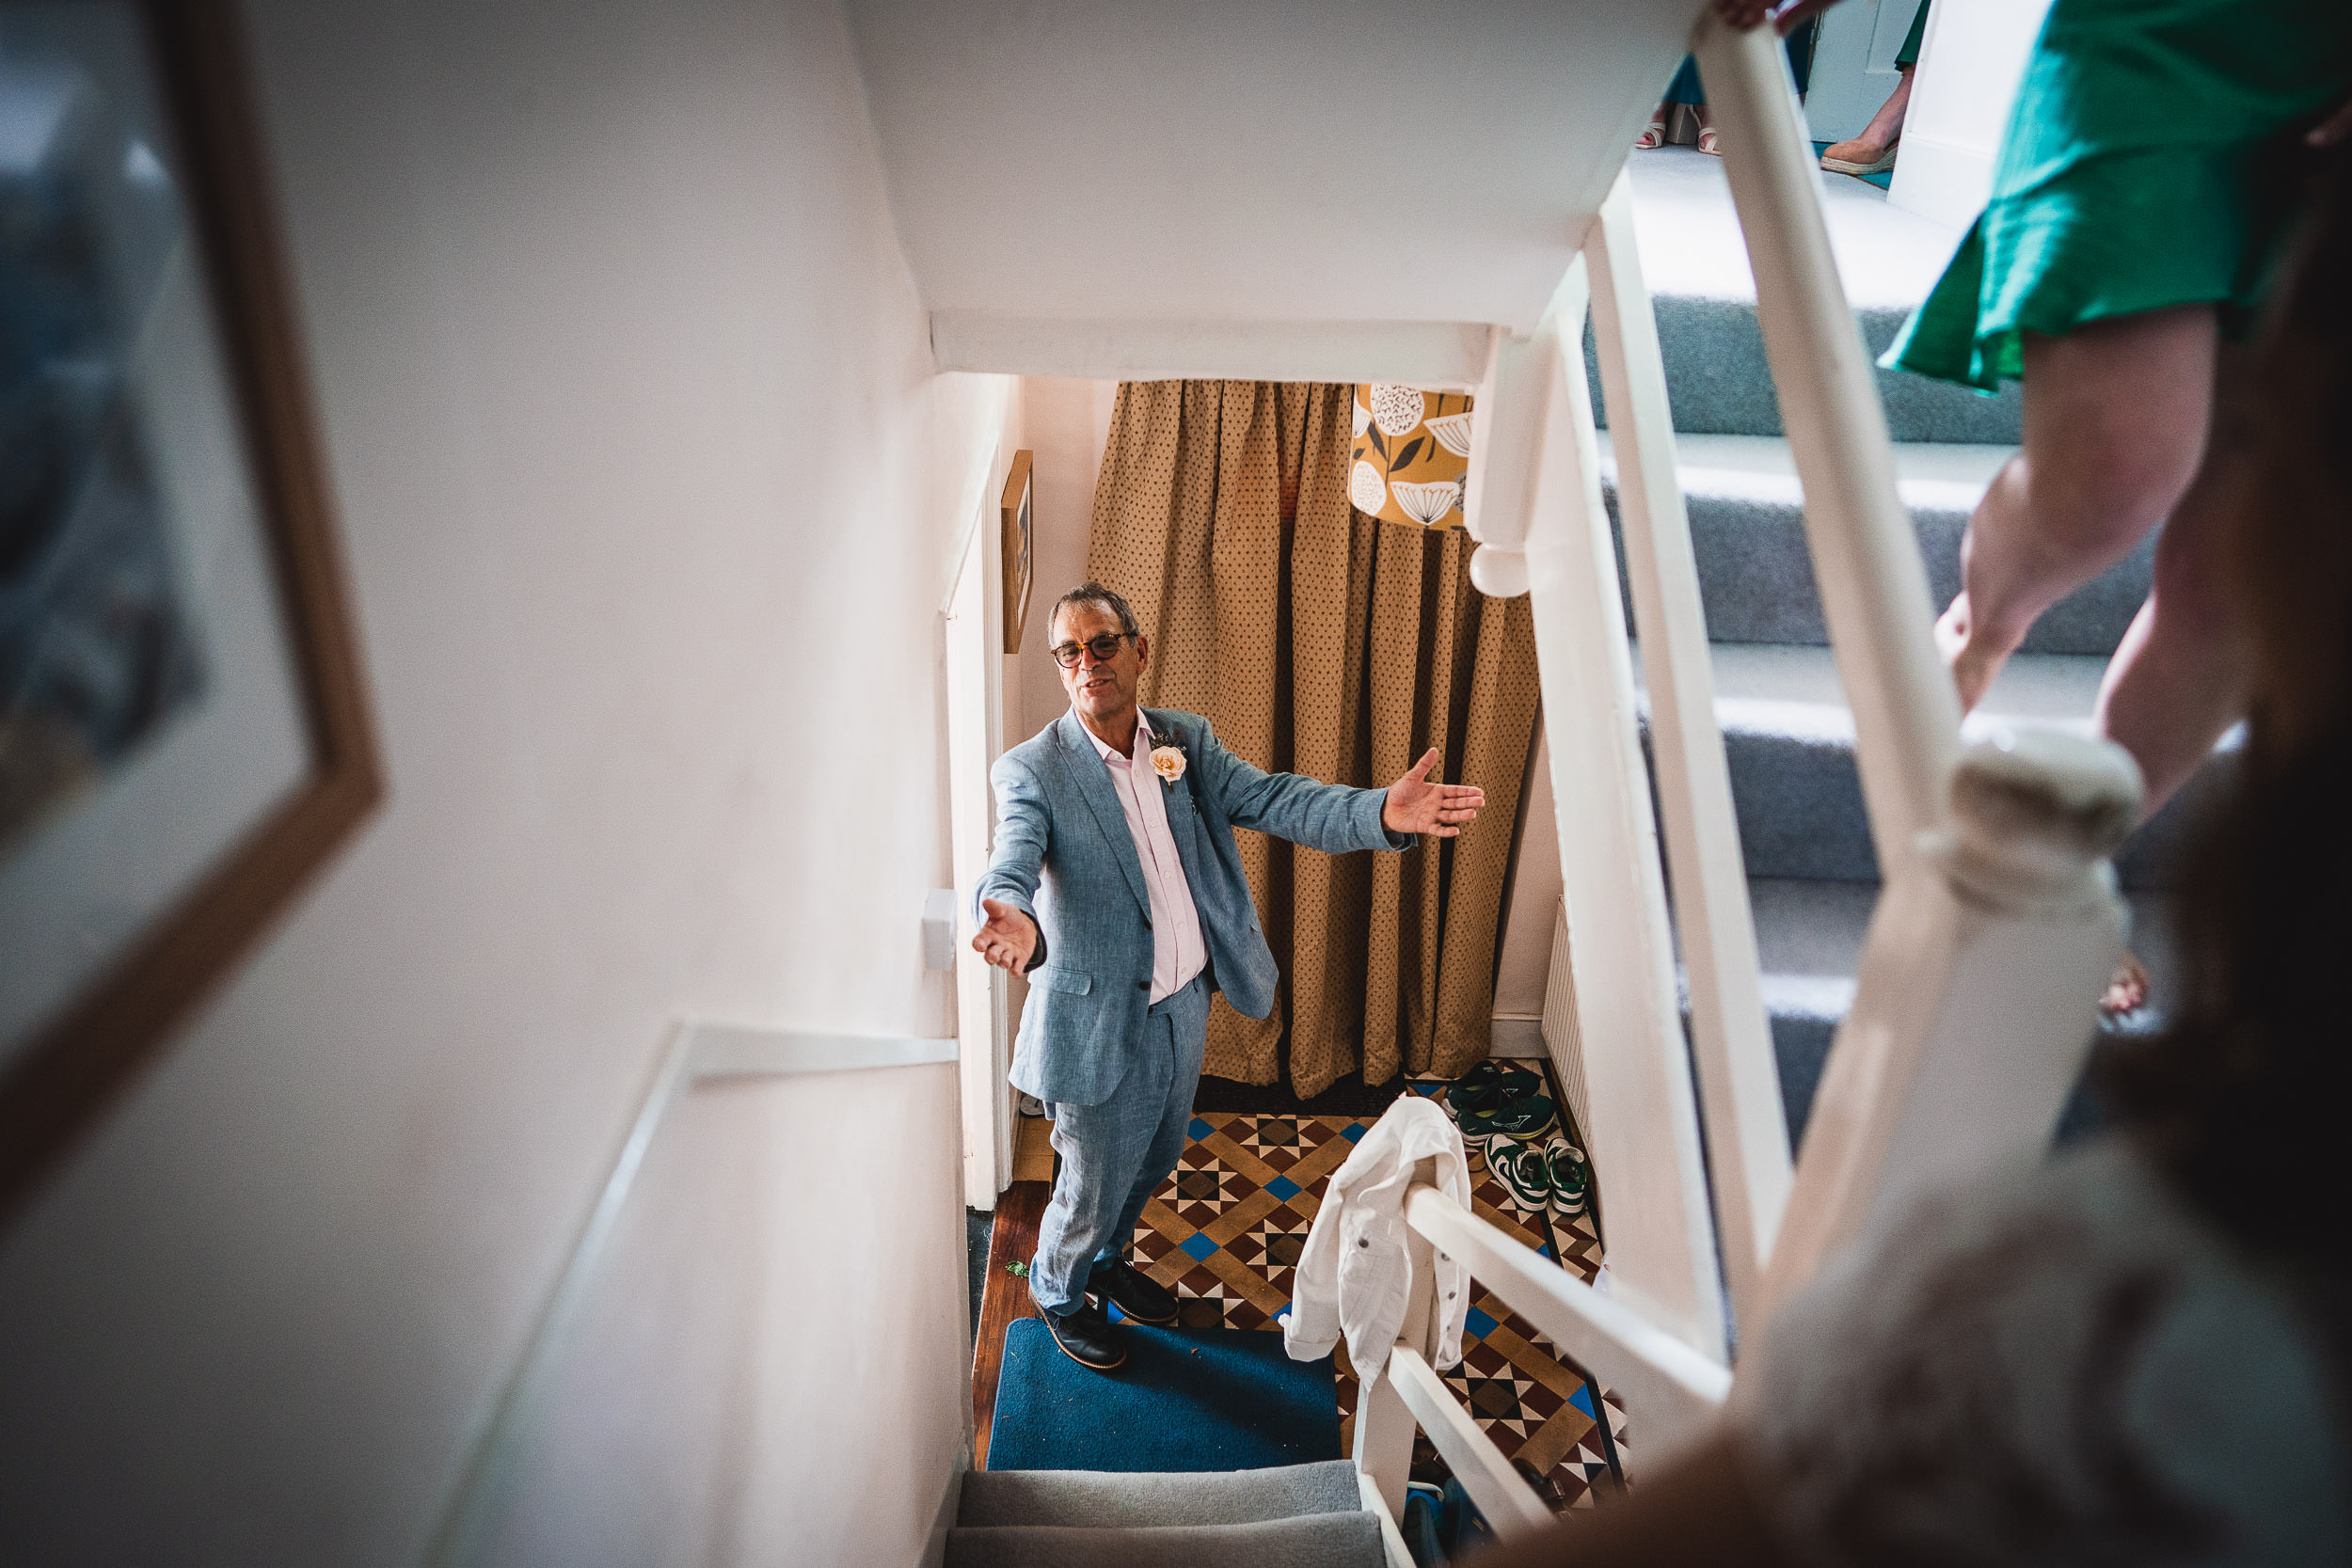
[1859,157]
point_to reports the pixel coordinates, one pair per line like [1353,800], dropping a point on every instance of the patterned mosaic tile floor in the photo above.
[1226,1233]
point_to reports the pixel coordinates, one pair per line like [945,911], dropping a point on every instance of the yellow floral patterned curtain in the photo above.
[1324,637]
[1410,461]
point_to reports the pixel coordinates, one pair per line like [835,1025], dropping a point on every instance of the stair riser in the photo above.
[1755,576]
[1719,383]
[1800,1045]
[1798,800]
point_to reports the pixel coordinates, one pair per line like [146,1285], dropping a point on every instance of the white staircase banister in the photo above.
[1676,1389]
[1873,585]
[1510,1506]
[1746,1123]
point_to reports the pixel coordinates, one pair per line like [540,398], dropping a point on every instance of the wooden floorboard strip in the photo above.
[1004,1298]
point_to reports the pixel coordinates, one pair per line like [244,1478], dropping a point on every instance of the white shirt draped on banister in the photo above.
[1356,1274]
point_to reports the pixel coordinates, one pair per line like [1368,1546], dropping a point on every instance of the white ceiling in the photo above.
[1106,189]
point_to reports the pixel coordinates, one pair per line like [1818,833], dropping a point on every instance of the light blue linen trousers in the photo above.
[1116,1154]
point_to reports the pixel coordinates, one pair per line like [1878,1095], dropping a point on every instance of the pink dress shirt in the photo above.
[1179,951]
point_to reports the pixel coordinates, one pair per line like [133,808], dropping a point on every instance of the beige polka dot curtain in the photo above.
[1340,641]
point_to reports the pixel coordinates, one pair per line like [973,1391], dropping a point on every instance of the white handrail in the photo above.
[1677,1390]
[1873,585]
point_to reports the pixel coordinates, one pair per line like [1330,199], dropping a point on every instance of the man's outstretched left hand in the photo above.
[1417,806]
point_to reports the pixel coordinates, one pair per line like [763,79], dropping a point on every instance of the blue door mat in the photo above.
[1188,1399]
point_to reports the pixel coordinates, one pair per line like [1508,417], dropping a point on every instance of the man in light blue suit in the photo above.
[1117,888]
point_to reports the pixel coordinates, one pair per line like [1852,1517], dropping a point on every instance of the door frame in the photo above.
[974,644]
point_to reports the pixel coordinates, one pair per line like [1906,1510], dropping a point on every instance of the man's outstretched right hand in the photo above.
[1007,938]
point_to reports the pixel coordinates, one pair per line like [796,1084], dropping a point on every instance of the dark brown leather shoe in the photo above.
[1137,1294]
[1087,1337]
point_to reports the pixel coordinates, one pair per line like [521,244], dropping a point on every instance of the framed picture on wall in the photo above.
[1020,556]
[184,735]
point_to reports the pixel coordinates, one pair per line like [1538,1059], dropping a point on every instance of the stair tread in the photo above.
[1790,740]
[1810,936]
[1133,1499]
[1689,239]
[1937,475]
[1314,1541]
[1695,261]
[1794,689]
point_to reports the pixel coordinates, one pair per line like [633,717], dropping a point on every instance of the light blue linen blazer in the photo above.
[1066,857]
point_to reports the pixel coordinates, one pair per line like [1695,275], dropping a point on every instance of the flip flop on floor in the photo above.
[1488,1085]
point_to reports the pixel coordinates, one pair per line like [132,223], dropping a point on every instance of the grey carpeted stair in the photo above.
[1809,941]
[1317,1541]
[1295,1516]
[1695,263]
[1715,363]
[1116,1498]
[1755,571]
[1789,735]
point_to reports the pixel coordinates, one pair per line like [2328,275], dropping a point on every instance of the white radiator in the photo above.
[1561,1034]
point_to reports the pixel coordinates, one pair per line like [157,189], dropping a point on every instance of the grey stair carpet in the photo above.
[1809,943]
[1118,1499]
[1789,735]
[1695,263]
[1790,740]
[1314,1541]
[1756,570]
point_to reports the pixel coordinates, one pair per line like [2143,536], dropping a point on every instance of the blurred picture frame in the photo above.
[1020,547]
[184,736]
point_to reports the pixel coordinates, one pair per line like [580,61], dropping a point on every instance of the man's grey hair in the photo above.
[1095,593]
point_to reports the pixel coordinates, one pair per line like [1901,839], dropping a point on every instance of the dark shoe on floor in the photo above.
[1488,1085]
[1086,1337]
[1137,1294]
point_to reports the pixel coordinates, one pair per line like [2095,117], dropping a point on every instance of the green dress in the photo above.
[2150,162]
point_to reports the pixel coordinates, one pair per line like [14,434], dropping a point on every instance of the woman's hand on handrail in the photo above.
[1745,14]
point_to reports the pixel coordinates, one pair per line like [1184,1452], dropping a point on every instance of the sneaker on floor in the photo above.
[1570,1175]
[1521,1170]
[1085,1336]
[1031,1105]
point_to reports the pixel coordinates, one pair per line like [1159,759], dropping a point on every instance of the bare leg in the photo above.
[2179,678]
[2116,419]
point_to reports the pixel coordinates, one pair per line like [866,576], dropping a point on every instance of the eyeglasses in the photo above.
[1101,648]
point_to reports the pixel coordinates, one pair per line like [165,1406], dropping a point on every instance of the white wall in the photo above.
[711,1405]
[1522,964]
[1067,420]
[1969,65]
[626,395]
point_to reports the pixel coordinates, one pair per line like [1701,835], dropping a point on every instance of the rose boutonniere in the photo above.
[1169,762]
